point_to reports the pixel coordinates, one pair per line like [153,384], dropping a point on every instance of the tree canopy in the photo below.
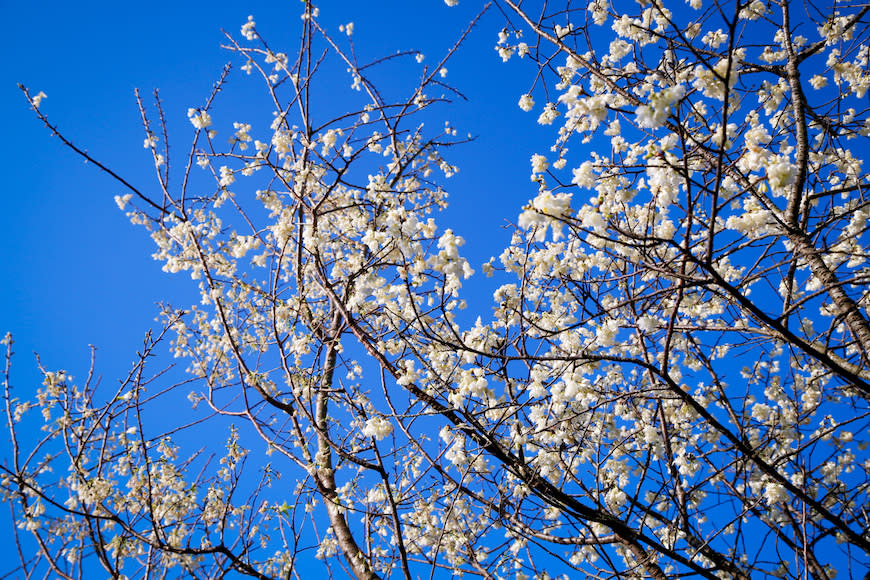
[671,377]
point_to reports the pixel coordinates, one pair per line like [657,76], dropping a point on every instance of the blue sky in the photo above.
[76,272]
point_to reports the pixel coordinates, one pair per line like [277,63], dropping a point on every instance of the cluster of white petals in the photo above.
[199,118]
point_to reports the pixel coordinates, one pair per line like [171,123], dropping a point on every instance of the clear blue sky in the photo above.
[75,272]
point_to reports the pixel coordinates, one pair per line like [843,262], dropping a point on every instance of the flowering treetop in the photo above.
[674,370]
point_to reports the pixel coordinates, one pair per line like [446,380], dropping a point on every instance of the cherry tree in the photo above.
[672,378]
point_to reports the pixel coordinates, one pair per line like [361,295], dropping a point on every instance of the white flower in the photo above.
[539,164]
[761,412]
[585,176]
[709,81]
[548,115]
[647,323]
[619,48]
[248,28]
[37,99]
[714,38]
[754,11]
[451,2]
[665,229]
[241,134]
[614,498]
[606,333]
[199,119]
[563,31]
[645,117]
[541,211]
[593,220]
[226,176]
[780,173]
[654,115]
[818,81]
[377,427]
[526,103]
[122,200]
[376,494]
[775,493]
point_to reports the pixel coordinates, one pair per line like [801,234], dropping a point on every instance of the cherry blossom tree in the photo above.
[673,380]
